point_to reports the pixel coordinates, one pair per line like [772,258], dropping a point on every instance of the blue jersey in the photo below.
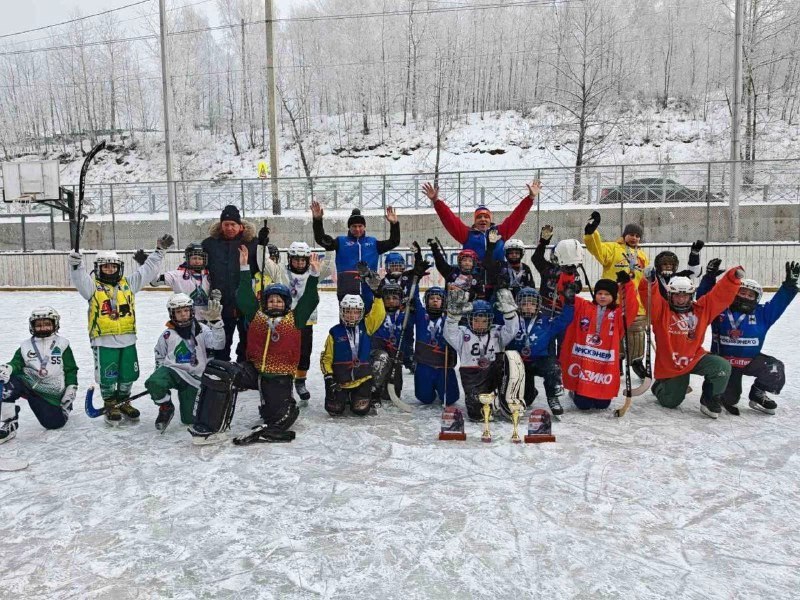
[477,240]
[431,349]
[739,337]
[387,336]
[534,334]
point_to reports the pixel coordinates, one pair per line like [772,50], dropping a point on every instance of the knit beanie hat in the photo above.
[607,285]
[356,218]
[483,209]
[633,229]
[230,213]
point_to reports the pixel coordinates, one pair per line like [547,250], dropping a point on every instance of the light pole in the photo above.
[736,165]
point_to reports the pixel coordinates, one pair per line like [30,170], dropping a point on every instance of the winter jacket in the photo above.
[473,282]
[618,256]
[739,337]
[223,263]
[501,274]
[472,239]
[679,336]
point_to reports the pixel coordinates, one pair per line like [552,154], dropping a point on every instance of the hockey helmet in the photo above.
[528,302]
[274,253]
[43,313]
[351,310]
[177,301]
[392,295]
[394,262]
[747,304]
[108,257]
[514,250]
[480,318]
[470,255]
[568,253]
[195,249]
[280,290]
[299,252]
[666,263]
[435,292]
[680,285]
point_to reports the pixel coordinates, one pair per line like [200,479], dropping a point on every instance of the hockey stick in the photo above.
[629,393]
[394,393]
[263,266]
[93,412]
[11,464]
[588,283]
[77,219]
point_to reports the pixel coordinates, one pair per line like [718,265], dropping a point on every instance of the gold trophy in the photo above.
[487,400]
[517,411]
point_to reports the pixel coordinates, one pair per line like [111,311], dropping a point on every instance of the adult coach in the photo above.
[353,248]
[474,237]
[222,247]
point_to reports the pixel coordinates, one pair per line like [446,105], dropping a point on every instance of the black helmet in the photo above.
[195,249]
[274,253]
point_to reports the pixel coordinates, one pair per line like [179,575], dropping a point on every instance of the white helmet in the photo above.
[108,257]
[43,312]
[752,284]
[177,301]
[299,249]
[568,253]
[680,285]
[747,305]
[351,301]
[514,244]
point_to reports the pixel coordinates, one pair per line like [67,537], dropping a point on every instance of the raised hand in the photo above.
[214,310]
[713,267]
[215,295]
[494,236]
[244,255]
[165,241]
[431,191]
[547,232]
[316,210]
[140,256]
[74,260]
[534,188]
[592,224]
[263,235]
[697,246]
[391,216]
[792,273]
[505,303]
[314,263]
[623,277]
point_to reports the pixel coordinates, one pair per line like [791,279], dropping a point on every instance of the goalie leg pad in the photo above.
[381,365]
[216,399]
[278,407]
[512,385]
[636,339]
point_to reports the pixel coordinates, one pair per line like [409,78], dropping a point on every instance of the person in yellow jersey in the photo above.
[112,322]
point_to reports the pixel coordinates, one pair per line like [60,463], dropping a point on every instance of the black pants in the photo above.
[357,398]
[548,369]
[232,324]
[481,381]
[306,344]
[768,371]
[278,407]
[50,416]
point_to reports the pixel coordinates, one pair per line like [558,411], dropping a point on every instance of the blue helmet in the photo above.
[530,299]
[394,260]
[480,309]
[435,291]
[280,290]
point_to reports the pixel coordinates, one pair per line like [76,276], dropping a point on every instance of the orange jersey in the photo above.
[679,336]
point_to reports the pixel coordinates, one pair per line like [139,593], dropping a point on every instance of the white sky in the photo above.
[19,16]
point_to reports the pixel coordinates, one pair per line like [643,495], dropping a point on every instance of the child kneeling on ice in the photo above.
[589,360]
[182,353]
[43,371]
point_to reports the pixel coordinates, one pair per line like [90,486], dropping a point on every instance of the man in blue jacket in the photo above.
[738,335]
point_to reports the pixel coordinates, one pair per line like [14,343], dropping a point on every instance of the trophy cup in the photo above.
[517,411]
[487,400]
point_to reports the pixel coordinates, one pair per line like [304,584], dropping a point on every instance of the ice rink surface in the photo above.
[658,504]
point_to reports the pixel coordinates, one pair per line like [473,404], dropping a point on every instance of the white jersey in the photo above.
[188,358]
[472,347]
[296,283]
[196,286]
[43,365]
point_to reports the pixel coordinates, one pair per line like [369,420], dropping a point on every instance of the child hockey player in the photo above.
[511,273]
[557,275]
[112,322]
[479,345]
[181,354]
[190,278]
[666,265]
[345,360]
[435,373]
[396,270]
[273,351]
[589,359]
[468,276]
[738,334]
[679,325]
[532,341]
[623,254]
[43,371]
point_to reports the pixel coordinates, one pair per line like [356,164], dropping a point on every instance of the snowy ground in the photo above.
[659,504]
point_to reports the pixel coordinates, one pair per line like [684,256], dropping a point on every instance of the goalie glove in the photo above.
[458,302]
[505,303]
[214,310]
[68,398]
[369,277]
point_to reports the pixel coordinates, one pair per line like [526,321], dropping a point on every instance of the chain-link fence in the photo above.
[673,202]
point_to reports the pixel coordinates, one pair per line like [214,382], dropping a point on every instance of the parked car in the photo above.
[651,189]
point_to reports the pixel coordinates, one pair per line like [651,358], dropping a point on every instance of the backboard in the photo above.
[31,181]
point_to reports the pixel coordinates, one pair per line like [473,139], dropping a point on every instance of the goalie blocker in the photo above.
[216,401]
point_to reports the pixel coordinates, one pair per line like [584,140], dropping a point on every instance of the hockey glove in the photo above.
[5,373]
[592,224]
[165,241]
[649,273]
[792,273]
[369,277]
[505,303]
[623,277]
[569,292]
[433,244]
[697,246]
[215,295]
[547,233]
[694,253]
[685,273]
[457,302]
[214,311]
[713,267]
[68,398]
[140,256]
[74,260]
[263,236]
[421,268]
[494,236]
[739,273]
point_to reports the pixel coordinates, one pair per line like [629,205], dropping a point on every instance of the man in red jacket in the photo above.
[475,237]
[679,326]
